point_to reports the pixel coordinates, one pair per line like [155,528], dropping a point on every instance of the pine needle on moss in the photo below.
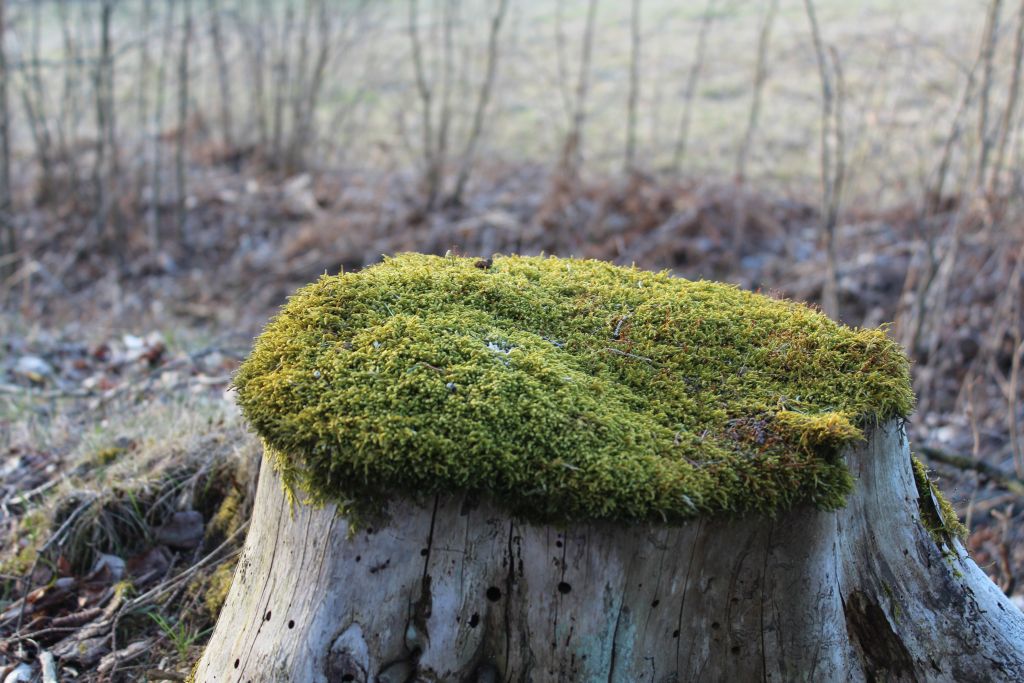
[565,389]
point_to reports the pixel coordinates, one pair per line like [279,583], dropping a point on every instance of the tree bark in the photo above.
[460,591]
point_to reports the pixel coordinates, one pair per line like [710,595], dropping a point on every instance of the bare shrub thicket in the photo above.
[118,118]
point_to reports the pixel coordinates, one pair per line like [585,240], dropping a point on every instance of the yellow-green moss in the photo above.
[217,589]
[564,389]
[942,523]
[23,549]
[228,517]
[20,563]
[107,456]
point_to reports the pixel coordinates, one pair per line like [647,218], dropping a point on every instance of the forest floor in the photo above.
[126,472]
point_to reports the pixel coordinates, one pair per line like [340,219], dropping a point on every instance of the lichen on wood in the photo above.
[564,389]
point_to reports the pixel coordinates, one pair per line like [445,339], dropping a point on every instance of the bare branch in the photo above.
[572,151]
[483,100]
[561,61]
[422,86]
[183,89]
[832,155]
[223,72]
[933,200]
[760,77]
[988,48]
[691,86]
[33,97]
[282,78]
[104,174]
[634,84]
[1010,111]
[156,184]
[8,237]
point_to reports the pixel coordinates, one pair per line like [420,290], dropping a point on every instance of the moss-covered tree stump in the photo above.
[556,470]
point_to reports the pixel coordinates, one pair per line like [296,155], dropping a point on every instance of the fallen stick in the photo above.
[963,462]
[49,666]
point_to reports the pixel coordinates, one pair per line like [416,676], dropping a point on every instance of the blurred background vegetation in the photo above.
[171,169]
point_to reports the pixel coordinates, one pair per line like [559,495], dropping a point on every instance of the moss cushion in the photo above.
[565,389]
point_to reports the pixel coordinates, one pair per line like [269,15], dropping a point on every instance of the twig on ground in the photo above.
[48,666]
[965,462]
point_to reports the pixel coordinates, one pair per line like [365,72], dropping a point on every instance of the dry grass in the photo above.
[112,476]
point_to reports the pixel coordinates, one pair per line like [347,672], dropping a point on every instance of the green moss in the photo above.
[20,563]
[565,389]
[217,589]
[23,548]
[228,517]
[107,456]
[942,523]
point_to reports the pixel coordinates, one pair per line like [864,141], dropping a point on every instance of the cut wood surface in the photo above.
[457,590]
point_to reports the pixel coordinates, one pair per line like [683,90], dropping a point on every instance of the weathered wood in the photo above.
[462,592]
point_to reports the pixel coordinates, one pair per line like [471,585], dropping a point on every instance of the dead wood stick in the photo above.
[965,462]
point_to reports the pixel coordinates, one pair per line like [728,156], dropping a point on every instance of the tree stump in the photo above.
[465,592]
[466,582]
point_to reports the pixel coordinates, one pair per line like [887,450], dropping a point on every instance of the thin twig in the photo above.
[572,151]
[1011,104]
[483,100]
[760,78]
[691,86]
[179,158]
[8,236]
[832,162]
[967,463]
[988,49]
[633,99]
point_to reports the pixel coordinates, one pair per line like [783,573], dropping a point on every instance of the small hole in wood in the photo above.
[558,544]
[494,594]
[715,625]
[266,617]
[291,623]
[423,553]
[735,649]
[564,587]
[474,620]
[237,663]
[655,603]
[675,634]
[348,677]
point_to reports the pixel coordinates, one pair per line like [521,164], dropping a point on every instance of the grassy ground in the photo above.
[100,453]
